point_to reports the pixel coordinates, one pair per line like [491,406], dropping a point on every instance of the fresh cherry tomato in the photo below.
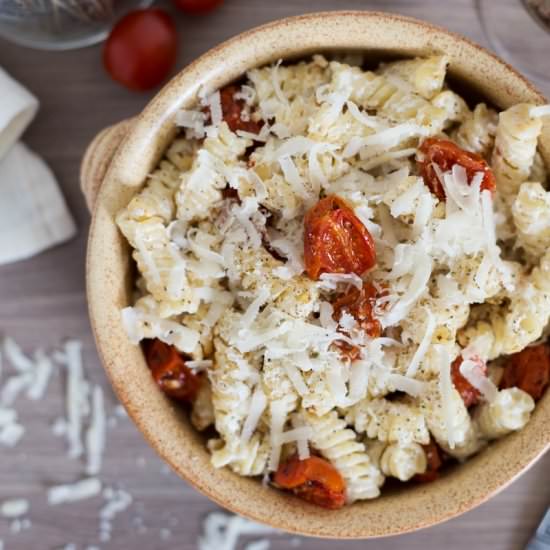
[169,371]
[433,456]
[197,7]
[446,154]
[141,49]
[335,240]
[469,394]
[314,480]
[529,370]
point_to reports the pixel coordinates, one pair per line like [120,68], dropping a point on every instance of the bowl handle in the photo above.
[98,157]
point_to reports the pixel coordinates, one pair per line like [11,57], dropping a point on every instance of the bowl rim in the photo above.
[91,290]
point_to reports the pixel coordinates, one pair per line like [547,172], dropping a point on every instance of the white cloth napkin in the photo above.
[33,213]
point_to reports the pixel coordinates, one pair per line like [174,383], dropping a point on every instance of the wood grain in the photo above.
[42,302]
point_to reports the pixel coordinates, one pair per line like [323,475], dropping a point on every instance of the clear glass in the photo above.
[519,33]
[61,24]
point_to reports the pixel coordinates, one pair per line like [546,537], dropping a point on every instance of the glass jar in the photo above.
[61,24]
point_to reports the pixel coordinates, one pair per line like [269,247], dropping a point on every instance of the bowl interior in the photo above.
[110,279]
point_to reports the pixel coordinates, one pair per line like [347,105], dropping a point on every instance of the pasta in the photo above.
[403,462]
[531,212]
[334,264]
[477,131]
[509,412]
[339,445]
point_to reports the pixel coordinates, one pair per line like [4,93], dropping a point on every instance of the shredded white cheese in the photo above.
[332,279]
[95,436]
[222,531]
[278,414]
[83,489]
[423,346]
[472,371]
[76,398]
[42,373]
[405,384]
[258,403]
[14,508]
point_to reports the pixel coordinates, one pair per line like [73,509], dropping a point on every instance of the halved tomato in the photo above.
[446,154]
[335,240]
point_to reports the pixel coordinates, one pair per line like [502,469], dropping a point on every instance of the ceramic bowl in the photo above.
[118,162]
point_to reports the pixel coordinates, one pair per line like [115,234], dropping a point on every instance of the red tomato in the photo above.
[197,6]
[335,240]
[529,370]
[446,154]
[141,49]
[314,480]
[169,371]
[359,304]
[469,394]
[232,109]
[435,462]
[348,352]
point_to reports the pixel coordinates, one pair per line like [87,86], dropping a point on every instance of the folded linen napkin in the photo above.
[33,213]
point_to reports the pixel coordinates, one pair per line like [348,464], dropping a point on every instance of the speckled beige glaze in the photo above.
[109,283]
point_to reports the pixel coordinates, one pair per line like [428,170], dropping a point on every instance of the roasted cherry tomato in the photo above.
[141,49]
[348,352]
[469,394]
[335,240]
[232,110]
[314,480]
[197,7]
[529,370]
[360,305]
[446,154]
[169,371]
[433,456]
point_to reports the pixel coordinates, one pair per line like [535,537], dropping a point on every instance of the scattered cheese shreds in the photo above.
[14,508]
[117,502]
[43,371]
[14,354]
[76,397]
[81,490]
[222,531]
[11,434]
[95,436]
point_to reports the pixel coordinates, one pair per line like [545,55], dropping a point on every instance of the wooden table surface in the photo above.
[42,302]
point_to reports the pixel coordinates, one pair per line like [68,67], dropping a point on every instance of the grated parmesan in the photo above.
[222,531]
[95,436]
[446,389]
[423,346]
[332,279]
[42,372]
[14,508]
[258,403]
[472,371]
[80,490]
